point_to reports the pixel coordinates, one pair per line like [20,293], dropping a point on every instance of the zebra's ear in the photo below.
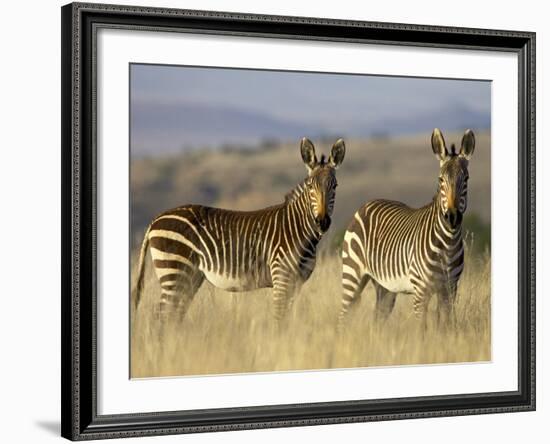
[438,145]
[337,154]
[468,144]
[308,154]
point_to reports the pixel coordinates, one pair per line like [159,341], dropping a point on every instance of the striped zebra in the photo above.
[406,250]
[243,250]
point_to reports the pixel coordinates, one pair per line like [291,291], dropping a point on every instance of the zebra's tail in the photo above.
[136,293]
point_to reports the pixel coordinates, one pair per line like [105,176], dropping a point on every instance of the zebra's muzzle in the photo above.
[324,223]
[453,217]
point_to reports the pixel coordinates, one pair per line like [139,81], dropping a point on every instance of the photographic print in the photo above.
[253,201]
[301,220]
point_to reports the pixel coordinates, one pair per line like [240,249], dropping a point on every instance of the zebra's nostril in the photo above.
[324,223]
[452,216]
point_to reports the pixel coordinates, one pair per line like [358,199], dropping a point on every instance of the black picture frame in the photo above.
[80,420]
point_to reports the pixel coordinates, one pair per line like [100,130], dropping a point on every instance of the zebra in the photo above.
[406,250]
[274,247]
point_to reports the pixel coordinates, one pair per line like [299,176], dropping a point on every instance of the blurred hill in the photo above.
[159,128]
[400,168]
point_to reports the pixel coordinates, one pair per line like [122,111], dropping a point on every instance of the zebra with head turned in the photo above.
[243,250]
[405,250]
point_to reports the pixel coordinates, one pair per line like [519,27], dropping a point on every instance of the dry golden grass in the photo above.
[234,332]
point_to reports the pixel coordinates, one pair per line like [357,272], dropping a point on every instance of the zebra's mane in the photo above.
[296,192]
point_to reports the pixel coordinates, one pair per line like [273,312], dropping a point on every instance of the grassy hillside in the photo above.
[402,168]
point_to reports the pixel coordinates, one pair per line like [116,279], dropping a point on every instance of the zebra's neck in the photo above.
[448,237]
[296,193]
[298,203]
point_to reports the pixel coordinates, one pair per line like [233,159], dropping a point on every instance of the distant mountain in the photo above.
[450,118]
[165,128]
[170,128]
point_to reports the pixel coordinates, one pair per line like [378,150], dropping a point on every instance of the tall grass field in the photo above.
[226,332]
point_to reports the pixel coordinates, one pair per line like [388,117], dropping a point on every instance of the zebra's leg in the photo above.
[385,301]
[187,295]
[452,300]
[446,315]
[179,278]
[293,292]
[420,304]
[177,295]
[282,298]
[443,312]
[352,288]
[175,300]
[354,277]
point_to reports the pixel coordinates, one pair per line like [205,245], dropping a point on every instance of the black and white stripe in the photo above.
[243,250]
[406,250]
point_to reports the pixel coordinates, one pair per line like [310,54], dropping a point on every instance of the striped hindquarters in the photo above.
[377,245]
[379,242]
[353,259]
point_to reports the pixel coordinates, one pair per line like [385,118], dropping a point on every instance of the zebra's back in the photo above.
[228,247]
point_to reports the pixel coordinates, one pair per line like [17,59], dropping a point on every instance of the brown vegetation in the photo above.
[235,333]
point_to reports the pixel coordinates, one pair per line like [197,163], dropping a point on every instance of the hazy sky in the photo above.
[174,107]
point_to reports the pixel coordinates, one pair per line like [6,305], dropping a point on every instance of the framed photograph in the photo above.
[280,221]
